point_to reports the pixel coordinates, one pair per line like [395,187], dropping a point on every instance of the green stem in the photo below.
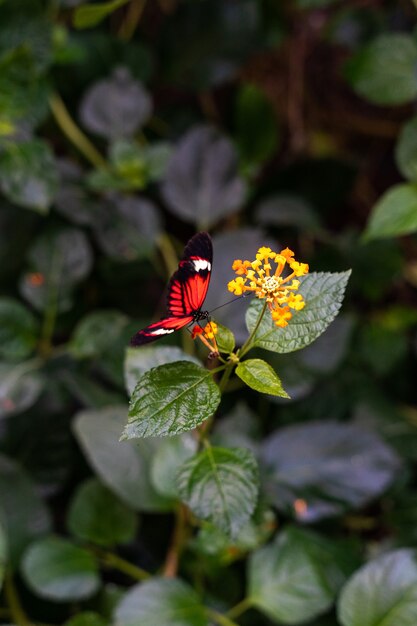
[129,25]
[19,616]
[239,608]
[113,560]
[51,312]
[248,343]
[74,133]
[226,375]
[219,618]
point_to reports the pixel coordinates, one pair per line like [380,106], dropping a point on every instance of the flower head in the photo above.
[207,335]
[257,276]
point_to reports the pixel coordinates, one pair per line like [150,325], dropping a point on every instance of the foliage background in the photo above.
[124,128]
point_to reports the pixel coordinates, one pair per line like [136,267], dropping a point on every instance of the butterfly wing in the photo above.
[186,291]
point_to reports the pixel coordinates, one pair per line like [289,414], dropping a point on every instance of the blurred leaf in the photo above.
[326,354]
[90,15]
[323,294]
[116,107]
[239,428]
[381,348]
[96,332]
[406,150]
[394,214]
[28,174]
[287,210]
[18,330]
[87,618]
[97,516]
[171,399]
[202,185]
[169,457]
[3,554]
[138,362]
[260,376]
[127,227]
[20,387]
[28,35]
[23,512]
[161,601]
[72,199]
[320,469]
[225,339]
[382,593]
[295,578]
[221,485]
[123,466]
[383,72]
[58,260]
[257,130]
[58,570]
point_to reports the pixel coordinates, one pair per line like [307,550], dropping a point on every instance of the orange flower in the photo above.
[278,291]
[206,334]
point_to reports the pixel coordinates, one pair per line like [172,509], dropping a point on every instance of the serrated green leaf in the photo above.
[170,456]
[161,601]
[18,330]
[382,593]
[394,214]
[225,339]
[260,376]
[171,399]
[28,174]
[384,71]
[323,295]
[96,332]
[137,362]
[123,466]
[58,570]
[290,580]
[3,554]
[96,515]
[221,485]
[90,15]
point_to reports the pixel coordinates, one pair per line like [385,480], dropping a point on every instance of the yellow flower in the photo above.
[278,291]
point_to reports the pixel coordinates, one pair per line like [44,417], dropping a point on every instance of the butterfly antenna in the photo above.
[245,295]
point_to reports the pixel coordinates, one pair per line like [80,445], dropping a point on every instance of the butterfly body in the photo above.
[187,290]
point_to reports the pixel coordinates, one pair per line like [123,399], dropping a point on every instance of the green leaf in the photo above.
[90,15]
[171,399]
[96,332]
[169,457]
[313,463]
[20,387]
[221,485]
[293,580]
[22,511]
[58,570]
[382,593]
[3,554]
[406,150]
[260,376]
[97,515]
[394,214]
[225,339]
[28,174]
[161,601]
[18,330]
[323,294]
[124,467]
[138,362]
[384,71]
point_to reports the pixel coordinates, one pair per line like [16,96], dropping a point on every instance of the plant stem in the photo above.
[219,618]
[247,345]
[113,560]
[19,616]
[130,23]
[239,608]
[179,537]
[74,133]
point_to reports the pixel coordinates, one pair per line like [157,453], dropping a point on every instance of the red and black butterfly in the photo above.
[187,290]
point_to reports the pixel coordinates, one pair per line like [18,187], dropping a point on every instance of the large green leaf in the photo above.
[22,511]
[294,579]
[171,399]
[97,515]
[382,593]
[123,466]
[96,332]
[170,455]
[18,330]
[259,375]
[323,294]
[59,570]
[394,214]
[384,71]
[161,601]
[221,485]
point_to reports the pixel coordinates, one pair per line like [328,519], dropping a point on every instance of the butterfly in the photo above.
[187,290]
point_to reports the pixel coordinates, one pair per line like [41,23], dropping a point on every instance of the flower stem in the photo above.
[239,608]
[219,618]
[19,616]
[248,343]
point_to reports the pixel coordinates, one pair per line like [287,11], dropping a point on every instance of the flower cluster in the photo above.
[278,291]
[207,335]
